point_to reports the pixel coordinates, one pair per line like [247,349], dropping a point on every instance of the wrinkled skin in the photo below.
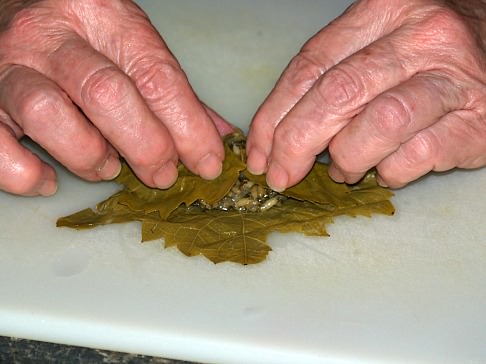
[396,84]
[90,81]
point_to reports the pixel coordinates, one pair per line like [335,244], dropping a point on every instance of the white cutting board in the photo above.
[406,288]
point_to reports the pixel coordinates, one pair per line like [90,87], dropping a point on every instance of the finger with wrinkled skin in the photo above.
[111,101]
[334,100]
[22,172]
[165,88]
[44,113]
[456,140]
[196,138]
[390,120]
[340,39]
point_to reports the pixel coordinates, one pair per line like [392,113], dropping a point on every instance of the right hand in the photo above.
[92,80]
[399,85]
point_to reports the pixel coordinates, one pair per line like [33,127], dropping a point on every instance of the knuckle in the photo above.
[22,180]
[93,153]
[39,101]
[301,73]
[391,116]
[39,104]
[106,89]
[156,78]
[340,86]
[142,160]
[297,142]
[414,159]
[445,18]
[446,25]
[420,151]
[341,157]
[151,157]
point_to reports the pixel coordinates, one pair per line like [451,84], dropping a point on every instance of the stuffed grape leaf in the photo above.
[233,234]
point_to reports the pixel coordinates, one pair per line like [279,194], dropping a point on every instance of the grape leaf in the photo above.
[235,236]
[241,236]
[137,200]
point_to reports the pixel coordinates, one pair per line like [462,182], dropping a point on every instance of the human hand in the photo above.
[89,80]
[400,85]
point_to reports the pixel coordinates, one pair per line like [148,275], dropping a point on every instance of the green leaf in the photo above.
[234,235]
[187,189]
[137,200]
[241,237]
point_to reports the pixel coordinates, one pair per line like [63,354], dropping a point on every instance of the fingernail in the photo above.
[166,175]
[256,162]
[48,188]
[110,169]
[335,174]
[381,182]
[210,166]
[277,177]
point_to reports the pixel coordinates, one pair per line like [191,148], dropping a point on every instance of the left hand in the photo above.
[92,80]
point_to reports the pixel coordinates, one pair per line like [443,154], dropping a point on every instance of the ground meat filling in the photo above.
[245,195]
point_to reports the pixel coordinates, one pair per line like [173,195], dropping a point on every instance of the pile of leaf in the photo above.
[235,236]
